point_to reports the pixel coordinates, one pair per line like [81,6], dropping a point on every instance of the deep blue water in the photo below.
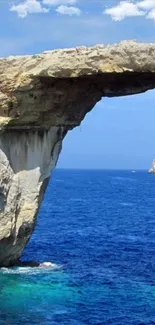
[99,226]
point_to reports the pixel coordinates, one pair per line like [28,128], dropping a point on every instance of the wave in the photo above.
[30,270]
[119,178]
[126,204]
[59,180]
[77,200]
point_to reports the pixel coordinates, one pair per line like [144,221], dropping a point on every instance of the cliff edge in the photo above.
[42,97]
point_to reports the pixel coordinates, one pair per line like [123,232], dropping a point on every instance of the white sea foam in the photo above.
[119,178]
[126,204]
[31,270]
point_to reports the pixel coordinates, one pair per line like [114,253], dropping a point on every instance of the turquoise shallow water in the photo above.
[31,296]
[99,228]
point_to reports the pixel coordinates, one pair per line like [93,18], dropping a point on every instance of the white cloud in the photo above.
[151,14]
[29,6]
[146,4]
[42,6]
[59,2]
[66,10]
[129,8]
[124,9]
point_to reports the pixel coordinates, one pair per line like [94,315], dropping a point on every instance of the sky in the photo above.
[118,132]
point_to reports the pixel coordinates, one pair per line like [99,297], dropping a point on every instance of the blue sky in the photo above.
[119,132]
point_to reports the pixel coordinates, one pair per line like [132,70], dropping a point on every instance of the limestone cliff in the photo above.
[41,98]
[152,169]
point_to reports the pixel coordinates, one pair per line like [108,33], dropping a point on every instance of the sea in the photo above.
[98,228]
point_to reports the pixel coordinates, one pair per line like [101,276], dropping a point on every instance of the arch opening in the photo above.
[116,134]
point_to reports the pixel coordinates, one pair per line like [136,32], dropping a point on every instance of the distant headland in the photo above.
[152,169]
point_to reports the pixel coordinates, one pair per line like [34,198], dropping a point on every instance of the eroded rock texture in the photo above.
[41,98]
[26,160]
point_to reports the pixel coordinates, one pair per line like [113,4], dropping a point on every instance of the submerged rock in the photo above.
[42,97]
[37,264]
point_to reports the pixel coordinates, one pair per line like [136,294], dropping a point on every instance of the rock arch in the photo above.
[42,97]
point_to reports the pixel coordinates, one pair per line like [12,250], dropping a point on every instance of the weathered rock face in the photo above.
[26,160]
[152,169]
[41,98]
